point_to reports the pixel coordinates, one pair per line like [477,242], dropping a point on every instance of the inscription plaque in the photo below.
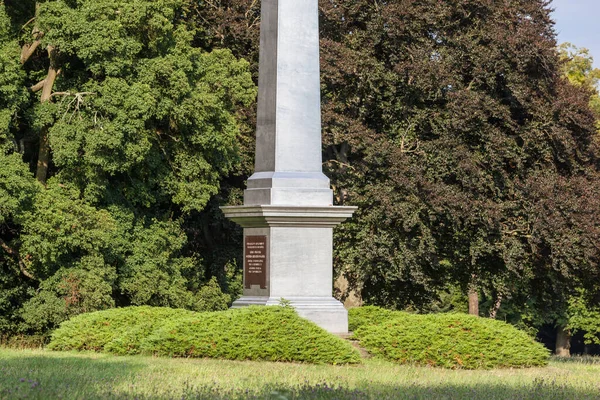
[255,261]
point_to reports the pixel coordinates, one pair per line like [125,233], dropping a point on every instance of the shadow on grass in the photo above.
[69,376]
[64,375]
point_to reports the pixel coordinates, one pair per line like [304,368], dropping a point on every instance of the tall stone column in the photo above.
[288,216]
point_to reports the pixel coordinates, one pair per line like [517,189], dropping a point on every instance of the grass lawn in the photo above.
[40,374]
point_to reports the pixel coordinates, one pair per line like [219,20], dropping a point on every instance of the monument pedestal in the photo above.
[288,252]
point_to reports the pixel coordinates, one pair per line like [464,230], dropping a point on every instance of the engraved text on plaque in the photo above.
[255,261]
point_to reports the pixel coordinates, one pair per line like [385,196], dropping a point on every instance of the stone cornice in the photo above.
[288,216]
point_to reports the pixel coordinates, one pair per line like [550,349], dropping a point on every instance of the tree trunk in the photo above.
[496,306]
[46,85]
[44,153]
[28,49]
[473,301]
[349,296]
[563,342]
[473,296]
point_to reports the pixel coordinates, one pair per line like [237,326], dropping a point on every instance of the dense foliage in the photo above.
[476,164]
[578,67]
[450,124]
[128,126]
[367,315]
[119,330]
[253,333]
[583,315]
[471,158]
[446,340]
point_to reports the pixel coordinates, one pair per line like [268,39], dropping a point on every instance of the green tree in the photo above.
[128,125]
[584,315]
[578,67]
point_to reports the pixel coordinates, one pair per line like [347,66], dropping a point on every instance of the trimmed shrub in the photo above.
[252,333]
[117,331]
[449,341]
[256,333]
[367,315]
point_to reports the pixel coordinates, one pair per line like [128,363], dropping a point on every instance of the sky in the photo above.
[577,22]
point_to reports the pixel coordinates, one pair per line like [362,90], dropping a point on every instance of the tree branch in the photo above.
[78,94]
[29,49]
[27,23]
[341,164]
[12,252]
[38,86]
[44,153]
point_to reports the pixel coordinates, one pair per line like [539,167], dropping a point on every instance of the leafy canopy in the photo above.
[141,125]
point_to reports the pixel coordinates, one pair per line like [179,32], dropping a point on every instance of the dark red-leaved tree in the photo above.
[473,162]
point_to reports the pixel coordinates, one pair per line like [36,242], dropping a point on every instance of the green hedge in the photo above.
[446,340]
[117,331]
[252,333]
[367,315]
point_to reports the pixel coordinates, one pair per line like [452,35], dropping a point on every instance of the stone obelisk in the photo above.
[288,216]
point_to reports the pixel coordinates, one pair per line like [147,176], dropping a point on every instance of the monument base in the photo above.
[326,312]
[288,252]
